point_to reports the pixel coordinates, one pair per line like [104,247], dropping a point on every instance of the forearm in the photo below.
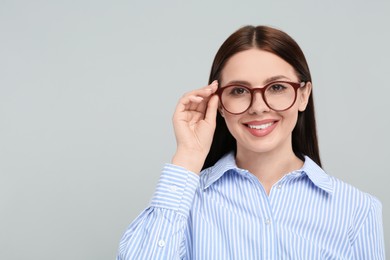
[158,232]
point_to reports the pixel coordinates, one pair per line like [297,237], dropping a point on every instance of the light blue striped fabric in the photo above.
[226,214]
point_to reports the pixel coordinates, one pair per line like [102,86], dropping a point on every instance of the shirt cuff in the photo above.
[175,189]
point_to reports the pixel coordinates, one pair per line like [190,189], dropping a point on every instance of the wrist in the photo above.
[189,160]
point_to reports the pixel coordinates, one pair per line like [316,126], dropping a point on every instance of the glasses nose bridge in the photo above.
[255,99]
[260,91]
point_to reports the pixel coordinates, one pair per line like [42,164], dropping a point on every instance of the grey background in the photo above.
[87,91]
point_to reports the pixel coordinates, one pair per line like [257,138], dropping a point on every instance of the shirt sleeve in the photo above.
[369,243]
[158,232]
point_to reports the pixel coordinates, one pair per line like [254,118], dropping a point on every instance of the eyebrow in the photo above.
[266,81]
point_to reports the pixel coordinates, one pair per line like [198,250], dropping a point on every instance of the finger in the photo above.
[212,108]
[186,101]
[204,95]
[209,90]
[198,104]
[196,99]
[193,100]
[204,92]
[184,106]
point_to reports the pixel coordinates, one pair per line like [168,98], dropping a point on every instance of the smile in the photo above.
[261,127]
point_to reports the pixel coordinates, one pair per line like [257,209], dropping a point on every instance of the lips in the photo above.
[261,128]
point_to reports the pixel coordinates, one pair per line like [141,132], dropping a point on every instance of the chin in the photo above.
[260,148]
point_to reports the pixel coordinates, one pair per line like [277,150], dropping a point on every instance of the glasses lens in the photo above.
[280,95]
[236,99]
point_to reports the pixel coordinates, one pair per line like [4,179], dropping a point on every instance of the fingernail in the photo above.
[215,82]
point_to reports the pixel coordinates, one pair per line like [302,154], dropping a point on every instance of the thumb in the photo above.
[212,108]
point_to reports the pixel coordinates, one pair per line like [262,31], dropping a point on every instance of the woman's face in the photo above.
[261,129]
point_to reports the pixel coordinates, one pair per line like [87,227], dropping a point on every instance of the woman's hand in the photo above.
[194,123]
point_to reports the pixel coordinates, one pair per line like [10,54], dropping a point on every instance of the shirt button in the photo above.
[173,188]
[161,243]
[279,186]
[267,221]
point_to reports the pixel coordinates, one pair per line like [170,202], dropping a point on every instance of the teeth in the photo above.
[260,127]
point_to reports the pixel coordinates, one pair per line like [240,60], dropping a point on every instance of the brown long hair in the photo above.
[304,135]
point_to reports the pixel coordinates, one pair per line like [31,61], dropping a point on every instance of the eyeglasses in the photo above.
[278,96]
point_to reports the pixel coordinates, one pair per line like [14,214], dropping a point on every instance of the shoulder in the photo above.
[352,206]
[342,195]
[346,193]
[361,212]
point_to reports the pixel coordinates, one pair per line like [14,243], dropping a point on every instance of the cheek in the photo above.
[291,117]
[232,122]
[229,119]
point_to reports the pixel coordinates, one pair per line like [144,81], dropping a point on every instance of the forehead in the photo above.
[256,66]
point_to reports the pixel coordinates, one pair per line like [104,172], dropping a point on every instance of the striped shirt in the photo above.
[226,214]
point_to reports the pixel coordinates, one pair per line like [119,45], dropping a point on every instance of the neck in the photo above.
[268,167]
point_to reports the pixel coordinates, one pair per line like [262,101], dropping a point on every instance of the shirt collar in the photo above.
[314,172]
[212,174]
[317,175]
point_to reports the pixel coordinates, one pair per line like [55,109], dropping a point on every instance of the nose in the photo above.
[258,104]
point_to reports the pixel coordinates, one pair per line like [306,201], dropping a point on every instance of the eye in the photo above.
[238,91]
[277,87]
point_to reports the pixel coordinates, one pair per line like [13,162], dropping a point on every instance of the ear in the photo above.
[220,109]
[303,96]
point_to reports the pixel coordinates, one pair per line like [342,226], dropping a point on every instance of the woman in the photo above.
[245,181]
